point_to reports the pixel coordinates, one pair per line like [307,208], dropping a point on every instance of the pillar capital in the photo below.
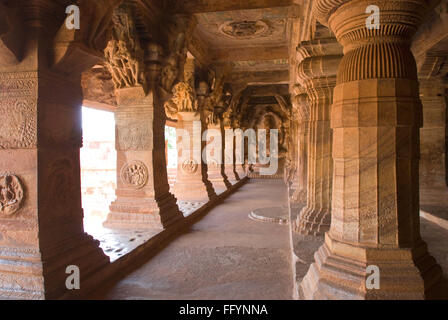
[318,63]
[399,19]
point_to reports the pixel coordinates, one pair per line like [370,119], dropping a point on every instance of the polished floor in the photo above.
[225,256]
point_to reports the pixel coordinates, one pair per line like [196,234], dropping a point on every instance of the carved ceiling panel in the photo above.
[244,27]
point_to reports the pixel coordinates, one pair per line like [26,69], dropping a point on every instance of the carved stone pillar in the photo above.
[192,183]
[433,188]
[41,217]
[293,153]
[318,74]
[215,163]
[303,127]
[376,117]
[143,197]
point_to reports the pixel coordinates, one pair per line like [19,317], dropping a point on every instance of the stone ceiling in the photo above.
[253,38]
[250,40]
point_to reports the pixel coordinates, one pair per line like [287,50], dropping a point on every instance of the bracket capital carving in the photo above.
[77,50]
[183,100]
[124,55]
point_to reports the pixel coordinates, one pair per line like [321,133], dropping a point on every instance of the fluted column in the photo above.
[318,74]
[375,118]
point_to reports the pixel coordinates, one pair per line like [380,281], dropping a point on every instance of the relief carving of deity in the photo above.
[11,194]
[134,174]
[184,97]
[189,166]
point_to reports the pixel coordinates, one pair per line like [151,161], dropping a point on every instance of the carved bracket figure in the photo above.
[183,100]
[124,55]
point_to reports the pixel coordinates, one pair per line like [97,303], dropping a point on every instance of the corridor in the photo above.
[225,256]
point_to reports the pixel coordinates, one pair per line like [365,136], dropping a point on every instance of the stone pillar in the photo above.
[215,164]
[375,118]
[143,199]
[229,155]
[293,152]
[318,74]
[303,127]
[41,217]
[192,183]
[433,188]
[239,151]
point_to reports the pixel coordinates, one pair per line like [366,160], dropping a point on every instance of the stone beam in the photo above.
[254,53]
[269,90]
[201,6]
[260,77]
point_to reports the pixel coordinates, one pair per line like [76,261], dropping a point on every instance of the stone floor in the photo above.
[115,243]
[226,255]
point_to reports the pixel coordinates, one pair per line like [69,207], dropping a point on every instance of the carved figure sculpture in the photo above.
[124,56]
[11,194]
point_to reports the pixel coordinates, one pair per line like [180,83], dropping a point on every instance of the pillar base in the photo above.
[195,190]
[31,273]
[143,213]
[340,272]
[232,176]
[313,222]
[219,181]
[239,170]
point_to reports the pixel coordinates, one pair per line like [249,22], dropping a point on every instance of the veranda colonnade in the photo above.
[374,218]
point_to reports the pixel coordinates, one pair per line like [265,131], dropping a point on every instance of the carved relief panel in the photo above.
[134,174]
[18,95]
[11,194]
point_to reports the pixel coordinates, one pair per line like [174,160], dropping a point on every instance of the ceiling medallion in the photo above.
[245,29]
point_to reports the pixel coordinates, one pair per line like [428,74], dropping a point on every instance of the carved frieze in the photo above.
[134,174]
[11,194]
[134,136]
[18,93]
